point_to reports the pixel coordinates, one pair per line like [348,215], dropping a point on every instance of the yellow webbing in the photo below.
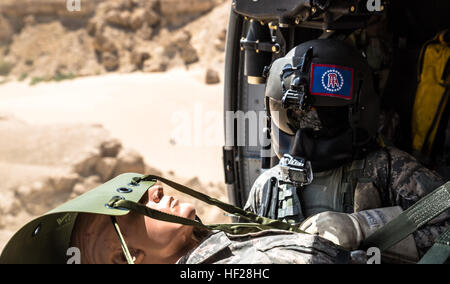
[432,93]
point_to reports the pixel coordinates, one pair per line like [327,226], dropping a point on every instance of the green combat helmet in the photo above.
[47,239]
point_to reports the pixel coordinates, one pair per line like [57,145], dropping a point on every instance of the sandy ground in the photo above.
[174,120]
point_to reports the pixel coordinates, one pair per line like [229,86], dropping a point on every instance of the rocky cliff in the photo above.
[43,39]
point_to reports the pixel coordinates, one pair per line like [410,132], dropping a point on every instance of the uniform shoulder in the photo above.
[409,175]
[399,154]
[386,155]
[386,163]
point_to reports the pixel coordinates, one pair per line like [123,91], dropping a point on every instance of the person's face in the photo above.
[149,240]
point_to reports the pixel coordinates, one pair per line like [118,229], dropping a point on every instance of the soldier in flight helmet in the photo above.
[335,177]
[315,90]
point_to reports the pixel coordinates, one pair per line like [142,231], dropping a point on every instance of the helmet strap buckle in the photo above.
[295,170]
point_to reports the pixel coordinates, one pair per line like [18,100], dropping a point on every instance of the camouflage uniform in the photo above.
[266,247]
[378,183]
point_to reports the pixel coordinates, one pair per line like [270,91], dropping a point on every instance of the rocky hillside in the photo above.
[42,40]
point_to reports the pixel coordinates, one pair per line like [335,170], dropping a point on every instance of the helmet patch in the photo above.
[331,81]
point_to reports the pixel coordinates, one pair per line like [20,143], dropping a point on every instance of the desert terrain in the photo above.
[74,114]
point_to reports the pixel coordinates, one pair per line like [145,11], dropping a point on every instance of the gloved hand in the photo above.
[348,230]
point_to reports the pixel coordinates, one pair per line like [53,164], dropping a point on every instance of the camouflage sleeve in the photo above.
[265,247]
[253,200]
[406,183]
[255,196]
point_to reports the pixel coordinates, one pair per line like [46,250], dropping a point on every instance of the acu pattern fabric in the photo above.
[265,247]
[388,177]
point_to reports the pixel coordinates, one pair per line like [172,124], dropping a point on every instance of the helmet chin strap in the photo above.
[123,244]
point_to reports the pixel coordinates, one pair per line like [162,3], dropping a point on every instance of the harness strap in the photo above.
[354,175]
[410,220]
[154,214]
[439,252]
[250,216]
[236,228]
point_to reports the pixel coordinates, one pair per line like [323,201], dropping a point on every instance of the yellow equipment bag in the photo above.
[432,93]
